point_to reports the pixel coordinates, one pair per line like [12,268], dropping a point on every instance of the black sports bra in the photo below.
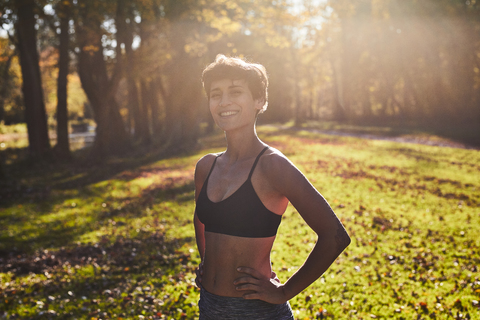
[242,214]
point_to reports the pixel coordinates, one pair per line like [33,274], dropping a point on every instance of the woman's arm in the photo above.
[201,172]
[332,237]
[199,235]
[200,238]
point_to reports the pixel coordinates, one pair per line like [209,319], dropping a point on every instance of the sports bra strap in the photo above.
[213,165]
[256,161]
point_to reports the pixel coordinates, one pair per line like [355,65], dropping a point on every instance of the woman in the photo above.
[241,195]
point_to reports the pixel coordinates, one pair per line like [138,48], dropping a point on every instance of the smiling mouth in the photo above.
[228,113]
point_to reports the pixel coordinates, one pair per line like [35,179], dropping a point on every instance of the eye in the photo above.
[215,95]
[236,92]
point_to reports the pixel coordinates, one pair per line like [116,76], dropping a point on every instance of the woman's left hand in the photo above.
[269,290]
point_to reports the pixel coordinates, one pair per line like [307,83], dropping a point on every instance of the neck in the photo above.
[242,144]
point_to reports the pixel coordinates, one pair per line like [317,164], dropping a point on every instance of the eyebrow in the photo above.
[229,87]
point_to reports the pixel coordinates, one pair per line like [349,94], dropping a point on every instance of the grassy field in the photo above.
[115,241]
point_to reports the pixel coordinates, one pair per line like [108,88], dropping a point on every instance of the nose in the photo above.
[225,101]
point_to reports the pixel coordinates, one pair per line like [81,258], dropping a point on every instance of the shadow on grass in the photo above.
[122,252]
[34,190]
[127,277]
[60,232]
[27,181]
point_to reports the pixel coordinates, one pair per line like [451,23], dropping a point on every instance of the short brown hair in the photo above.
[236,68]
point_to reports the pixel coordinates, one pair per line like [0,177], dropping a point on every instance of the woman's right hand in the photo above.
[199,273]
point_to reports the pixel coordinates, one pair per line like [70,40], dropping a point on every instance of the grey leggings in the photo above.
[213,307]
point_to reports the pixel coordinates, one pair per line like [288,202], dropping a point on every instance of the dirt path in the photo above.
[430,140]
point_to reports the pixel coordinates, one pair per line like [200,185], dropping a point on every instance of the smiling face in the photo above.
[232,104]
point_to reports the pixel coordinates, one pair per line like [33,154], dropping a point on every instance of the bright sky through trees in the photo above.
[390,61]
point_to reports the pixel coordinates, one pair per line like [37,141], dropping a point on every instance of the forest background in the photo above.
[133,67]
[105,231]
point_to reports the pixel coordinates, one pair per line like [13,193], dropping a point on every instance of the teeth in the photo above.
[228,113]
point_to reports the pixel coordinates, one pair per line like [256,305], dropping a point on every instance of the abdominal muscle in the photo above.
[225,253]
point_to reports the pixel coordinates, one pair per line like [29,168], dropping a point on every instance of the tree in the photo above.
[63,146]
[125,22]
[99,84]
[35,115]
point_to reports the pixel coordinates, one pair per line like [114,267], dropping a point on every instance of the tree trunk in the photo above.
[338,113]
[111,136]
[62,148]
[155,111]
[344,70]
[144,114]
[140,132]
[134,105]
[125,33]
[35,114]
[183,102]
[299,110]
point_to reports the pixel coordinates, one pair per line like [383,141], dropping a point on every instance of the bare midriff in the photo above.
[225,253]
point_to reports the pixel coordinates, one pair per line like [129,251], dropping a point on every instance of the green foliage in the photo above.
[15,128]
[11,102]
[408,62]
[116,240]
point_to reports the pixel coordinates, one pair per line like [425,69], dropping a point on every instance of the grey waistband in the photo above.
[213,307]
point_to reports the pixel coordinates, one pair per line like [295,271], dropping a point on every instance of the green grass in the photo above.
[116,240]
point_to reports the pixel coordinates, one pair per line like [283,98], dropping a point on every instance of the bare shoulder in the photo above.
[201,171]
[274,164]
[205,162]
[283,176]
[203,166]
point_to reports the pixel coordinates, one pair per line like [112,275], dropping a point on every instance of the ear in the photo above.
[259,103]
